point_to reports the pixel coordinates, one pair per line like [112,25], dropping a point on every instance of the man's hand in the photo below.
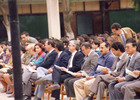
[50,70]
[105,70]
[108,74]
[137,72]
[90,77]
[120,79]
[78,75]
[63,69]
[34,67]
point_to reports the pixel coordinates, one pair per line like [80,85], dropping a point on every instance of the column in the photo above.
[53,18]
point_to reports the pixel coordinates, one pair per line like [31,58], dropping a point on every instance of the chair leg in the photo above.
[43,96]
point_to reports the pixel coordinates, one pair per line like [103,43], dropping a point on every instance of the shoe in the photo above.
[40,82]
[11,96]
[54,87]
[89,97]
[27,97]
[37,98]
[9,92]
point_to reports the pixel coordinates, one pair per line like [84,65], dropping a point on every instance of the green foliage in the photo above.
[136,4]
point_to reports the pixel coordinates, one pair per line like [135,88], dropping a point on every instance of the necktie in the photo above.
[118,61]
[123,39]
[57,58]
[46,57]
[127,65]
[128,62]
[69,62]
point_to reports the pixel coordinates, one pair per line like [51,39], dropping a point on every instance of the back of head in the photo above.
[60,46]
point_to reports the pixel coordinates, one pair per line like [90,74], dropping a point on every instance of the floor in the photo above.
[3,96]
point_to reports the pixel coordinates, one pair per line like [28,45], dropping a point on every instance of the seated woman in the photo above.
[4,76]
[38,58]
[39,49]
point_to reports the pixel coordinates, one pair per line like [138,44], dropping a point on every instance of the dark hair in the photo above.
[40,45]
[65,41]
[51,41]
[25,33]
[9,48]
[22,49]
[116,26]
[60,46]
[86,45]
[132,40]
[96,42]
[86,37]
[107,44]
[3,42]
[118,45]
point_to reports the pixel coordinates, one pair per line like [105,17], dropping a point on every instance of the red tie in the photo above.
[57,58]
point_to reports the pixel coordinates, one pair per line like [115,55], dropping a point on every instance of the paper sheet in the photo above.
[131,73]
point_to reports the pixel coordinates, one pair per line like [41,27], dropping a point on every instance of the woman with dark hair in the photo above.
[39,49]
[6,71]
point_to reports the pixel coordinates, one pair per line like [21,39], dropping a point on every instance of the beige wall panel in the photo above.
[77,6]
[91,6]
[24,9]
[6,10]
[126,4]
[39,8]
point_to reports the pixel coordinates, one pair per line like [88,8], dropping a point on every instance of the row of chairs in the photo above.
[63,92]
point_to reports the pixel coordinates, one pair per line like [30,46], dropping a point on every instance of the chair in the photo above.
[105,96]
[47,91]
[62,91]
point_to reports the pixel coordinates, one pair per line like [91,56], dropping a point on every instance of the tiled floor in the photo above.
[3,96]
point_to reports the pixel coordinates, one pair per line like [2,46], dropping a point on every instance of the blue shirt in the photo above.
[106,60]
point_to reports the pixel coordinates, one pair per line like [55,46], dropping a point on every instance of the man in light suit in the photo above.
[90,62]
[130,89]
[61,60]
[132,64]
[81,86]
[47,62]
[122,34]
[74,65]
[102,81]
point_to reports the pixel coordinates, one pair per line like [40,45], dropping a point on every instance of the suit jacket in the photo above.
[77,62]
[62,60]
[121,66]
[133,65]
[129,33]
[49,60]
[90,62]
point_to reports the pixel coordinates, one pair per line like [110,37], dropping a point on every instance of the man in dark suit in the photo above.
[91,58]
[101,81]
[74,65]
[61,60]
[122,34]
[132,64]
[48,61]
